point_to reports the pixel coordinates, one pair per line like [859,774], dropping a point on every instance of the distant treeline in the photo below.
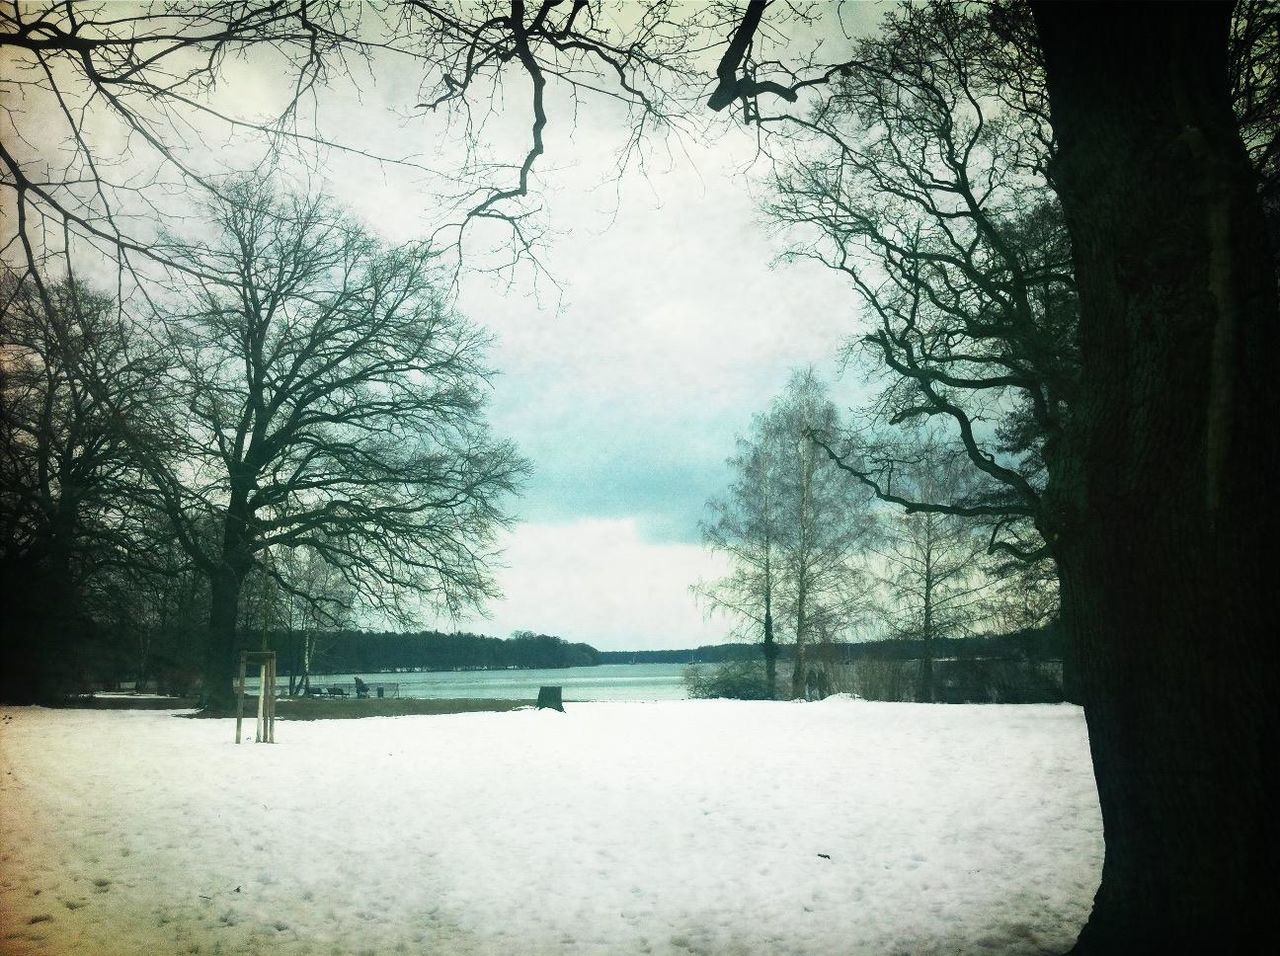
[357,652]
[339,652]
[373,651]
[1039,644]
[706,654]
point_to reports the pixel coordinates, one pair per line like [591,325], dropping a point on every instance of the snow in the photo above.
[842,826]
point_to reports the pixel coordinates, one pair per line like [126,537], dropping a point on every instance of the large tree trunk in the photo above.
[221,659]
[38,631]
[1165,600]
[220,650]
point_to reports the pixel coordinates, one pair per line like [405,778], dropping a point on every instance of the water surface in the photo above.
[603,682]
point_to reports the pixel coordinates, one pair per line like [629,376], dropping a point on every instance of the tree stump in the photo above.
[550,697]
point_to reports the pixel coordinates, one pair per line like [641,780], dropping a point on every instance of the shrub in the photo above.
[886,680]
[740,680]
[999,682]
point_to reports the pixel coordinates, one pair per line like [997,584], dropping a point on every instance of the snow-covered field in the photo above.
[686,826]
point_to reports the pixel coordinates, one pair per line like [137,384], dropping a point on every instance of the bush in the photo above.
[885,680]
[740,680]
[999,682]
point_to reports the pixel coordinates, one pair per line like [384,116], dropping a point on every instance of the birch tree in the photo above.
[934,568]
[793,529]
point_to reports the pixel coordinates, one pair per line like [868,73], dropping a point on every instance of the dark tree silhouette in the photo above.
[1255,97]
[108,110]
[1163,507]
[919,176]
[73,515]
[330,401]
[83,79]
[1165,597]
[936,579]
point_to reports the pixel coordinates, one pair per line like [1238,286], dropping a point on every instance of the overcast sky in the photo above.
[627,386]
[626,390]
[628,393]
[624,376]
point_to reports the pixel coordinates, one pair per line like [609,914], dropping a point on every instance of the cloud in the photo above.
[600,582]
[674,330]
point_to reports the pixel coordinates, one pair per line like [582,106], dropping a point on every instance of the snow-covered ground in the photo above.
[674,827]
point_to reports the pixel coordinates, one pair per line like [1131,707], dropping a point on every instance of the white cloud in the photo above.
[598,581]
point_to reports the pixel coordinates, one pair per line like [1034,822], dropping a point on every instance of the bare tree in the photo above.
[1166,460]
[308,597]
[73,522]
[745,526]
[331,401]
[109,108]
[928,192]
[825,523]
[793,530]
[82,79]
[1255,97]
[934,570]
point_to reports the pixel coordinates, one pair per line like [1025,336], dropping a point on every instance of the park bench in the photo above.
[364,690]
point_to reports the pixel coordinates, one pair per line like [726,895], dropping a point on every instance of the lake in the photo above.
[603,682]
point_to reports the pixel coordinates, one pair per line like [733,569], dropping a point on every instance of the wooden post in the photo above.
[271,701]
[266,726]
[266,701]
[262,692]
[240,697]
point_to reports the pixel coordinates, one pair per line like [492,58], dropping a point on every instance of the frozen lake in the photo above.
[605,682]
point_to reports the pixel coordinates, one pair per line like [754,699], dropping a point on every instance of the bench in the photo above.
[362,691]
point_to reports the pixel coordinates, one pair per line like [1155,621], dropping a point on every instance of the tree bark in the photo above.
[220,649]
[798,666]
[926,664]
[926,671]
[770,649]
[227,581]
[1160,527]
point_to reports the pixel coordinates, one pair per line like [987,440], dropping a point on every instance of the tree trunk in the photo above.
[926,664]
[227,580]
[770,649]
[220,649]
[1164,599]
[308,649]
[926,671]
[798,667]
